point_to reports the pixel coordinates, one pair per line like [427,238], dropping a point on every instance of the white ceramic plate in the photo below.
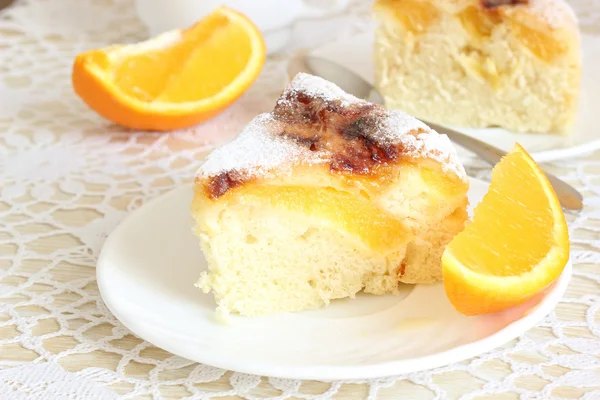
[150,262]
[355,53]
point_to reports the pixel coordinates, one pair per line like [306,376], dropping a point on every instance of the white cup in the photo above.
[271,16]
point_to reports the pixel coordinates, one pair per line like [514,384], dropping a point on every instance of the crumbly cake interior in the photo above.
[324,197]
[480,63]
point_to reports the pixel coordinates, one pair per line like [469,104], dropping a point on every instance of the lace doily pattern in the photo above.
[68,178]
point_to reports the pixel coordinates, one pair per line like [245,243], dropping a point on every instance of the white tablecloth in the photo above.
[68,178]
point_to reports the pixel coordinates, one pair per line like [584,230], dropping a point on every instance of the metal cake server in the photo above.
[569,197]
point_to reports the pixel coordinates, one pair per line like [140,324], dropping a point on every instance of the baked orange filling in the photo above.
[345,211]
[478,22]
[545,47]
[441,185]
[415,15]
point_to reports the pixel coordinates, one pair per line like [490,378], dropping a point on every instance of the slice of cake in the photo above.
[324,197]
[480,63]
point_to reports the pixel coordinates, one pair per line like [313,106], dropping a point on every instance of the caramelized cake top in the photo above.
[498,3]
[553,13]
[556,13]
[316,122]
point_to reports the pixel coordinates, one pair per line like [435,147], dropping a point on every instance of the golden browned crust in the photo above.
[315,123]
[219,185]
[346,132]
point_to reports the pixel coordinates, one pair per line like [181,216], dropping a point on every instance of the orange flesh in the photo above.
[518,234]
[172,74]
[175,80]
[516,246]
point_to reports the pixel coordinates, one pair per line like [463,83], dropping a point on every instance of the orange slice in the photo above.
[515,247]
[175,80]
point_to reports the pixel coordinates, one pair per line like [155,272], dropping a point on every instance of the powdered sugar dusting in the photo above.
[396,125]
[556,13]
[419,140]
[260,149]
[314,86]
[439,148]
[256,151]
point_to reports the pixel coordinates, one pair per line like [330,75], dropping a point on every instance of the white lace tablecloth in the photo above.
[68,178]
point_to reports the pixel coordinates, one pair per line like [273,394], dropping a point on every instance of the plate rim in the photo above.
[334,372]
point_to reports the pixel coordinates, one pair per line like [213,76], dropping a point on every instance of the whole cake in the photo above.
[324,197]
[480,63]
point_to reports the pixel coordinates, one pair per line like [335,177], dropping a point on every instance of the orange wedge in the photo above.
[515,247]
[175,80]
